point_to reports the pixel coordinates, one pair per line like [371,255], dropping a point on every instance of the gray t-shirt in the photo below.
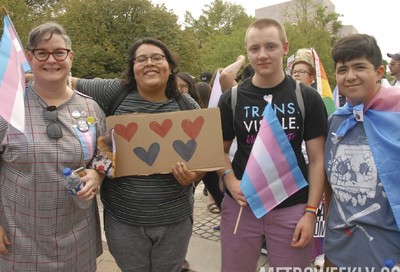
[361,229]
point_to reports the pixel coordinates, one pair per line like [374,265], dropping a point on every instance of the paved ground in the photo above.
[204,248]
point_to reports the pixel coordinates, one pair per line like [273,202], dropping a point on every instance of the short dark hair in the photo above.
[357,46]
[129,77]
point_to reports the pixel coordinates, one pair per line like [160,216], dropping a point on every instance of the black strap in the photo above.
[116,100]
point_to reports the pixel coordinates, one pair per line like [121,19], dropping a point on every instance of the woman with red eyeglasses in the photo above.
[41,226]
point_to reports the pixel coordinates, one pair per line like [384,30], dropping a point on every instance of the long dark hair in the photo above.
[129,77]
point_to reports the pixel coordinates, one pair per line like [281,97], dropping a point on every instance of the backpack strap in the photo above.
[300,103]
[234,100]
[116,100]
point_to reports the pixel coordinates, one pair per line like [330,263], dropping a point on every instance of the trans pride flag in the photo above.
[272,173]
[12,77]
[323,87]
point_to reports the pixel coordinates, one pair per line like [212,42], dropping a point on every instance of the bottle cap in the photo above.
[67,171]
[389,263]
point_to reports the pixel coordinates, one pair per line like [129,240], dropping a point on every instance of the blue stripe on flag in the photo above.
[257,205]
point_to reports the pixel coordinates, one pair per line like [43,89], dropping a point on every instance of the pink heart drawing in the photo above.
[126,132]
[192,129]
[162,129]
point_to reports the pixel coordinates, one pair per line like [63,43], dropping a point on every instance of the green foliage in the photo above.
[102,31]
[309,24]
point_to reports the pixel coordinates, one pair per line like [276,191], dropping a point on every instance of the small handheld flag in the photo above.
[272,173]
[12,76]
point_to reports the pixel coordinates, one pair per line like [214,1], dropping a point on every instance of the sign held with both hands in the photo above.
[152,143]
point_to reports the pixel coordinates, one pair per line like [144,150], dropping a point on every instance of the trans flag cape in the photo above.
[12,77]
[380,119]
[272,173]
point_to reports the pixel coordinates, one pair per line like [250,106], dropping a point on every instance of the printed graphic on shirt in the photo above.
[354,182]
[286,113]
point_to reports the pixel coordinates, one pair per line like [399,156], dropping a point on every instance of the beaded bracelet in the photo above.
[226,173]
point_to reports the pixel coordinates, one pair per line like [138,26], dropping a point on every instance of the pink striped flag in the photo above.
[12,77]
[272,173]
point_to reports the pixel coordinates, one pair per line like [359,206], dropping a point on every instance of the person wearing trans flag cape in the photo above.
[362,161]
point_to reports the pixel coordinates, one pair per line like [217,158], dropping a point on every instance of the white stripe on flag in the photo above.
[269,169]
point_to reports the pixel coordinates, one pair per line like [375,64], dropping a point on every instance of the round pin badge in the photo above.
[83,126]
[90,119]
[83,114]
[76,114]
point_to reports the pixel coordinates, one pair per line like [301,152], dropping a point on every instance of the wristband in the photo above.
[311,209]
[226,173]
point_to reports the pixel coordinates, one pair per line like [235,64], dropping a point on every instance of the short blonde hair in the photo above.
[267,22]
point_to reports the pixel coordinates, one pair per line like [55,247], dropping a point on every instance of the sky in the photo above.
[379,19]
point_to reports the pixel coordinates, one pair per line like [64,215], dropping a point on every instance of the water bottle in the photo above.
[74,185]
[394,267]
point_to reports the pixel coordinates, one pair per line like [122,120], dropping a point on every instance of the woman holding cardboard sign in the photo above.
[148,218]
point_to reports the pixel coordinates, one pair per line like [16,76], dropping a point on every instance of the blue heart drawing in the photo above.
[186,151]
[148,156]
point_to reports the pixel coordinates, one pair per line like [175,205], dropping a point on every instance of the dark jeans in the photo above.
[211,181]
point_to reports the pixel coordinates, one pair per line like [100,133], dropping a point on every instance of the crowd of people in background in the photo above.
[349,159]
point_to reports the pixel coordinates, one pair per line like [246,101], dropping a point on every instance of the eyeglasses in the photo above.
[182,86]
[394,63]
[300,72]
[53,130]
[58,54]
[155,58]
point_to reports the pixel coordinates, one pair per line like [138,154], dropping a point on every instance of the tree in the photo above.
[309,24]
[103,30]
[220,33]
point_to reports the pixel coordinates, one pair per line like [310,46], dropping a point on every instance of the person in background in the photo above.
[186,84]
[394,67]
[303,67]
[203,93]
[361,161]
[288,229]
[206,77]
[154,235]
[41,227]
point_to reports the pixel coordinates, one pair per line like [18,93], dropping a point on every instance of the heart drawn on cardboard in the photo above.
[162,129]
[148,156]
[126,132]
[192,129]
[187,150]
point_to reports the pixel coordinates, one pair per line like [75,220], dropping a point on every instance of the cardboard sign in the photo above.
[152,143]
